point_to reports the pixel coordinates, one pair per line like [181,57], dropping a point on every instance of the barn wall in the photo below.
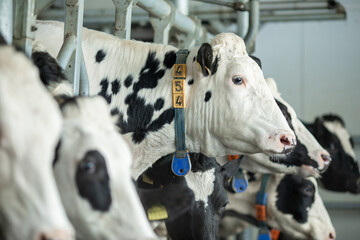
[316,64]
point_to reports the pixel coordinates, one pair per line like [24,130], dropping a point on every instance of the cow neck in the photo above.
[237,183]
[181,163]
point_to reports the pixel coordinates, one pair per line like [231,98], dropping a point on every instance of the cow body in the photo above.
[30,126]
[136,80]
[343,173]
[93,173]
[293,207]
[205,180]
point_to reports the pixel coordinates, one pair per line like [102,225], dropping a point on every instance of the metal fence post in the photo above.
[6,20]
[123,12]
[162,25]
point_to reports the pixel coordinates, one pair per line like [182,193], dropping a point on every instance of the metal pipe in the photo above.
[254,23]
[160,9]
[84,79]
[6,20]
[182,6]
[123,12]
[66,51]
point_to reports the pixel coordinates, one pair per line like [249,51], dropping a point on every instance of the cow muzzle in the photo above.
[280,142]
[56,234]
[326,160]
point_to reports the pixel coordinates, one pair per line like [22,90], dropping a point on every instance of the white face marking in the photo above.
[337,129]
[202,184]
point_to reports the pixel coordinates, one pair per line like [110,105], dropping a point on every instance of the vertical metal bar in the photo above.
[163,25]
[6,20]
[123,12]
[84,80]
[73,27]
[254,23]
[24,25]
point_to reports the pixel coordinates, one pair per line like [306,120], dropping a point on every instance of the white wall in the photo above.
[316,64]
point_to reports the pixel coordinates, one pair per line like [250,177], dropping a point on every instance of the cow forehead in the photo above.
[202,184]
[340,131]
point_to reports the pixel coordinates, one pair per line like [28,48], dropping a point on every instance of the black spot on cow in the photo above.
[92,181]
[191,81]
[100,55]
[251,176]
[104,90]
[139,114]
[49,69]
[114,111]
[295,195]
[56,155]
[194,58]
[128,81]
[159,104]
[115,87]
[170,59]
[207,96]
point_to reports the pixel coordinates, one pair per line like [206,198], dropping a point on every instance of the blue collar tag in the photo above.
[264,234]
[239,182]
[181,165]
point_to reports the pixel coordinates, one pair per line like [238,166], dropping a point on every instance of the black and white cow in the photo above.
[343,173]
[308,157]
[30,127]
[93,172]
[223,85]
[293,206]
[205,180]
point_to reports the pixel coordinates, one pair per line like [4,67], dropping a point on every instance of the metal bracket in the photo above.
[24,25]
[6,20]
[163,25]
[196,37]
[123,13]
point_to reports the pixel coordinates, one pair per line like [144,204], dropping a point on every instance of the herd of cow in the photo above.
[99,167]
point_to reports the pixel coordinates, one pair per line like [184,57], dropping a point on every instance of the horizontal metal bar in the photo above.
[160,9]
[302,17]
[342,205]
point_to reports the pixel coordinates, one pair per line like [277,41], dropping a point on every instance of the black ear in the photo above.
[230,169]
[176,199]
[204,58]
[257,60]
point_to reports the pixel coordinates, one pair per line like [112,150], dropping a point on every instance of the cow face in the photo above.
[92,171]
[293,206]
[230,102]
[296,208]
[343,173]
[201,220]
[307,158]
[30,126]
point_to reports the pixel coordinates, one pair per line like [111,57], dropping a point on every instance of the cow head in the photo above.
[343,173]
[93,174]
[201,220]
[293,206]
[232,104]
[30,126]
[308,156]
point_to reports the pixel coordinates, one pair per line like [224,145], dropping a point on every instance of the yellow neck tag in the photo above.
[178,89]
[157,212]
[147,179]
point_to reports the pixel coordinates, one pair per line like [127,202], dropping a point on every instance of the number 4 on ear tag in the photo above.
[181,166]
[239,182]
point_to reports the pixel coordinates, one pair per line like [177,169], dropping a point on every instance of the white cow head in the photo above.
[308,156]
[92,171]
[30,126]
[230,107]
[293,206]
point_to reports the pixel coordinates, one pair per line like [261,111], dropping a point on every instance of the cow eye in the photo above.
[88,166]
[237,80]
[332,146]
[308,190]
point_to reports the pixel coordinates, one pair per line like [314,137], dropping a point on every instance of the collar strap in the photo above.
[181,164]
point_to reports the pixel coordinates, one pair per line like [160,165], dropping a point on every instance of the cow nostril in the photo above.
[326,158]
[331,236]
[285,141]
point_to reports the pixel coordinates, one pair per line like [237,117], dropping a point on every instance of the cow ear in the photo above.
[169,202]
[230,169]
[204,58]
[257,60]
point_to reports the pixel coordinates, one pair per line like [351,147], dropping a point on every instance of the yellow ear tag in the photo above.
[157,212]
[147,179]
